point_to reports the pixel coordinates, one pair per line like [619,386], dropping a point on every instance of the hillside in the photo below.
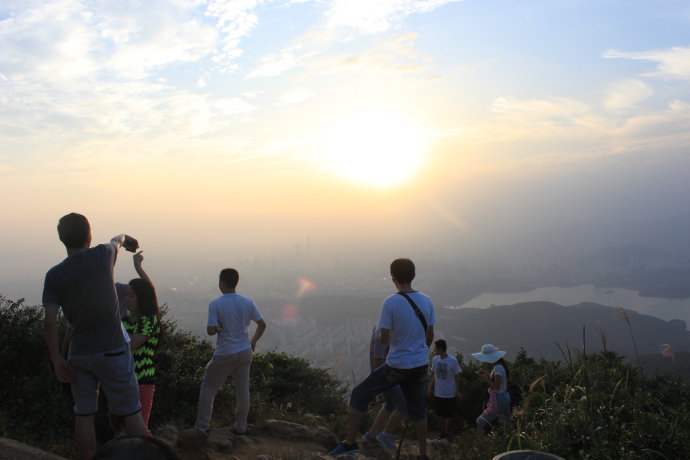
[593,406]
[334,331]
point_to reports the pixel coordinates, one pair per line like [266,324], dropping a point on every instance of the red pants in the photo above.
[146,398]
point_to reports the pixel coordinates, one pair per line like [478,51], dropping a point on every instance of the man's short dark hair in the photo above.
[402,270]
[440,343]
[74,230]
[230,277]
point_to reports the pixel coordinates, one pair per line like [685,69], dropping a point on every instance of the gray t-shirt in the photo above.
[83,286]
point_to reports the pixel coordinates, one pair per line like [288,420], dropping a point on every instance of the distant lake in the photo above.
[667,309]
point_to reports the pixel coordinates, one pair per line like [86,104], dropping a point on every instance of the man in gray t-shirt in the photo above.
[82,285]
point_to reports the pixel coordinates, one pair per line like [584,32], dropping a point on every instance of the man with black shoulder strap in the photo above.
[407,322]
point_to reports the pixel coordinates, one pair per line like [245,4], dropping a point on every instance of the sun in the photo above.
[378,149]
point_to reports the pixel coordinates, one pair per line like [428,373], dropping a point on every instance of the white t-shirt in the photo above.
[408,337]
[500,370]
[445,370]
[232,314]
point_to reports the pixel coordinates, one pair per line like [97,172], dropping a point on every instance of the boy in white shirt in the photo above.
[445,384]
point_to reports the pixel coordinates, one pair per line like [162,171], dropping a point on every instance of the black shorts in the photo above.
[445,407]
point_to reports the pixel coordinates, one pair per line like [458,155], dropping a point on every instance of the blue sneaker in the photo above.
[344,448]
[386,440]
[368,437]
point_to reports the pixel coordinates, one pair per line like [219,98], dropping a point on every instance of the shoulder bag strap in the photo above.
[416,311]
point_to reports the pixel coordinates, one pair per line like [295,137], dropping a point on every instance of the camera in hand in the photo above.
[130,244]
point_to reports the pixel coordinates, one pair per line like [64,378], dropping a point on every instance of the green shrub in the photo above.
[37,409]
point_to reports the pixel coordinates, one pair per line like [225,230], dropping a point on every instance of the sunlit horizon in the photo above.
[219,130]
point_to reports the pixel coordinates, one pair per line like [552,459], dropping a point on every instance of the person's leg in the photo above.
[118,381]
[146,397]
[85,436]
[378,381]
[103,426]
[484,422]
[379,421]
[414,389]
[421,436]
[394,422]
[445,424]
[134,425]
[240,376]
[215,374]
[85,395]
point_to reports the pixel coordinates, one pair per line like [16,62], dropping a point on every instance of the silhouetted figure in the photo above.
[229,316]
[82,285]
[444,385]
[499,398]
[407,320]
[143,324]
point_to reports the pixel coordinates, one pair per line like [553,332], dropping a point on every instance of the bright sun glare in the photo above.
[376,149]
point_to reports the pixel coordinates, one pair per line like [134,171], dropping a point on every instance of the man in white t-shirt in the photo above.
[407,322]
[229,316]
[445,384]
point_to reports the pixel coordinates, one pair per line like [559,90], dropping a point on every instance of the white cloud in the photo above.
[673,63]
[6,168]
[546,112]
[376,16]
[275,64]
[296,96]
[626,94]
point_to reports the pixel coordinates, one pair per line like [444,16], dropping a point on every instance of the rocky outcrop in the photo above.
[15,450]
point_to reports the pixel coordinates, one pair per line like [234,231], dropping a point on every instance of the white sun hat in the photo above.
[489,354]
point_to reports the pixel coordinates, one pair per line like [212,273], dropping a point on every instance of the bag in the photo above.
[416,311]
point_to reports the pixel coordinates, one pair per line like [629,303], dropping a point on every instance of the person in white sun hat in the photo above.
[499,398]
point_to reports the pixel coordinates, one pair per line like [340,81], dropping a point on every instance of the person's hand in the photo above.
[483,373]
[130,244]
[63,371]
[138,258]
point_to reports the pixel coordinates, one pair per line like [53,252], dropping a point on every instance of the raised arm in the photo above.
[138,259]
[125,241]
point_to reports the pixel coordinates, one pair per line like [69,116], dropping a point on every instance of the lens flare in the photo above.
[289,315]
[305,286]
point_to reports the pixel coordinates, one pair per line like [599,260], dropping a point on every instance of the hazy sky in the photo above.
[245,126]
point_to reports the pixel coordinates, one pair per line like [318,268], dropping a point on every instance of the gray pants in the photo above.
[217,371]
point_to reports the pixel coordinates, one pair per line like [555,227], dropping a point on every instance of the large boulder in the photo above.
[526,455]
[15,450]
[288,430]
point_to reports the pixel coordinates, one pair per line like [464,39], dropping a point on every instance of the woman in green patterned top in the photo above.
[144,327]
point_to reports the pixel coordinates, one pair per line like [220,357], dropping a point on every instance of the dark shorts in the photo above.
[445,407]
[395,400]
[412,383]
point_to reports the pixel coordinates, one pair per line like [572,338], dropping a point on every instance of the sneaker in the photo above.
[344,448]
[386,440]
[368,437]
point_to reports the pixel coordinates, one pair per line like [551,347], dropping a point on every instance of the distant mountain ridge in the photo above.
[540,326]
